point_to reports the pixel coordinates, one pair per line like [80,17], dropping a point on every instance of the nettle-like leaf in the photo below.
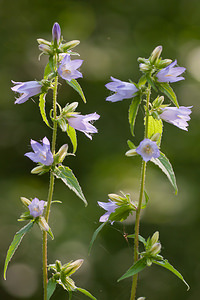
[51,286]
[166,89]
[95,235]
[71,132]
[15,244]
[47,71]
[88,294]
[76,86]
[42,109]
[67,176]
[132,113]
[136,268]
[121,213]
[140,238]
[151,82]
[165,264]
[155,126]
[163,163]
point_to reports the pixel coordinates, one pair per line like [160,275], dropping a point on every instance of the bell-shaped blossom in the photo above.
[170,73]
[26,90]
[36,207]
[177,116]
[42,153]
[68,68]
[82,123]
[148,150]
[122,90]
[56,33]
[109,207]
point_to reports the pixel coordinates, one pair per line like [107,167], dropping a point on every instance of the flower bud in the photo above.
[25,201]
[164,63]
[155,249]
[69,45]
[155,237]
[144,67]
[68,283]
[70,107]
[69,269]
[56,33]
[61,154]
[58,265]
[43,224]
[116,198]
[143,60]
[141,298]
[45,48]
[149,262]
[63,124]
[42,41]
[155,54]
[155,137]
[37,170]
[131,152]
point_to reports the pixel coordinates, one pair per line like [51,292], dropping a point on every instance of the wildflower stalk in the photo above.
[138,210]
[51,188]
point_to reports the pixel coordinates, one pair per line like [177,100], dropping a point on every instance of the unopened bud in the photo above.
[143,60]
[68,283]
[69,45]
[155,237]
[155,54]
[141,298]
[37,170]
[131,152]
[70,107]
[144,67]
[155,249]
[116,198]
[43,224]
[164,63]
[25,201]
[71,268]
[58,265]
[42,41]
[56,33]
[155,137]
[63,125]
[62,153]
[149,262]
[45,48]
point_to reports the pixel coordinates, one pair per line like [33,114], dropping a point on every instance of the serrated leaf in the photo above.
[47,71]
[151,82]
[142,81]
[155,126]
[132,113]
[76,86]
[15,244]
[71,132]
[163,163]
[42,109]
[51,286]
[165,264]
[136,268]
[83,291]
[140,238]
[95,235]
[121,213]
[166,89]
[67,176]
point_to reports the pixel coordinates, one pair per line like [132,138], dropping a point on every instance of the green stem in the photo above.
[138,211]
[50,193]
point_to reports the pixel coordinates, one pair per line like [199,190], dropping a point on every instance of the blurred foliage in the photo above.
[113,34]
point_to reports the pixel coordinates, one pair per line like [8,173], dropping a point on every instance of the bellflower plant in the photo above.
[48,159]
[157,73]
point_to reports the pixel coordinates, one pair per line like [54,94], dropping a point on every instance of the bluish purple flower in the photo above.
[109,207]
[36,207]
[170,73]
[26,90]
[68,68]
[82,123]
[122,90]
[148,149]
[42,153]
[56,33]
[177,116]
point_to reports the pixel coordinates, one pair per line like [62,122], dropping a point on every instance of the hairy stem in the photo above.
[138,211]
[50,193]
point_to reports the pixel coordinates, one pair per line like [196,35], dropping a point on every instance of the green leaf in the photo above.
[131,145]
[151,82]
[15,243]
[121,213]
[42,109]
[76,86]
[95,235]
[51,286]
[47,71]
[67,176]
[136,268]
[83,291]
[166,89]
[132,113]
[165,264]
[142,81]
[146,200]
[155,126]
[163,163]
[140,238]
[72,135]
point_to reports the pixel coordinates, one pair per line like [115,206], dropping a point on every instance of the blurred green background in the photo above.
[113,33]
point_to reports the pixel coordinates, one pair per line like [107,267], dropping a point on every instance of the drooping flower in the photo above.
[148,150]
[36,207]
[170,73]
[42,153]
[122,90]
[56,33]
[68,68]
[82,123]
[109,207]
[177,116]
[26,90]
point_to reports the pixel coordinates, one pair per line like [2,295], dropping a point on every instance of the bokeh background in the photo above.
[113,33]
